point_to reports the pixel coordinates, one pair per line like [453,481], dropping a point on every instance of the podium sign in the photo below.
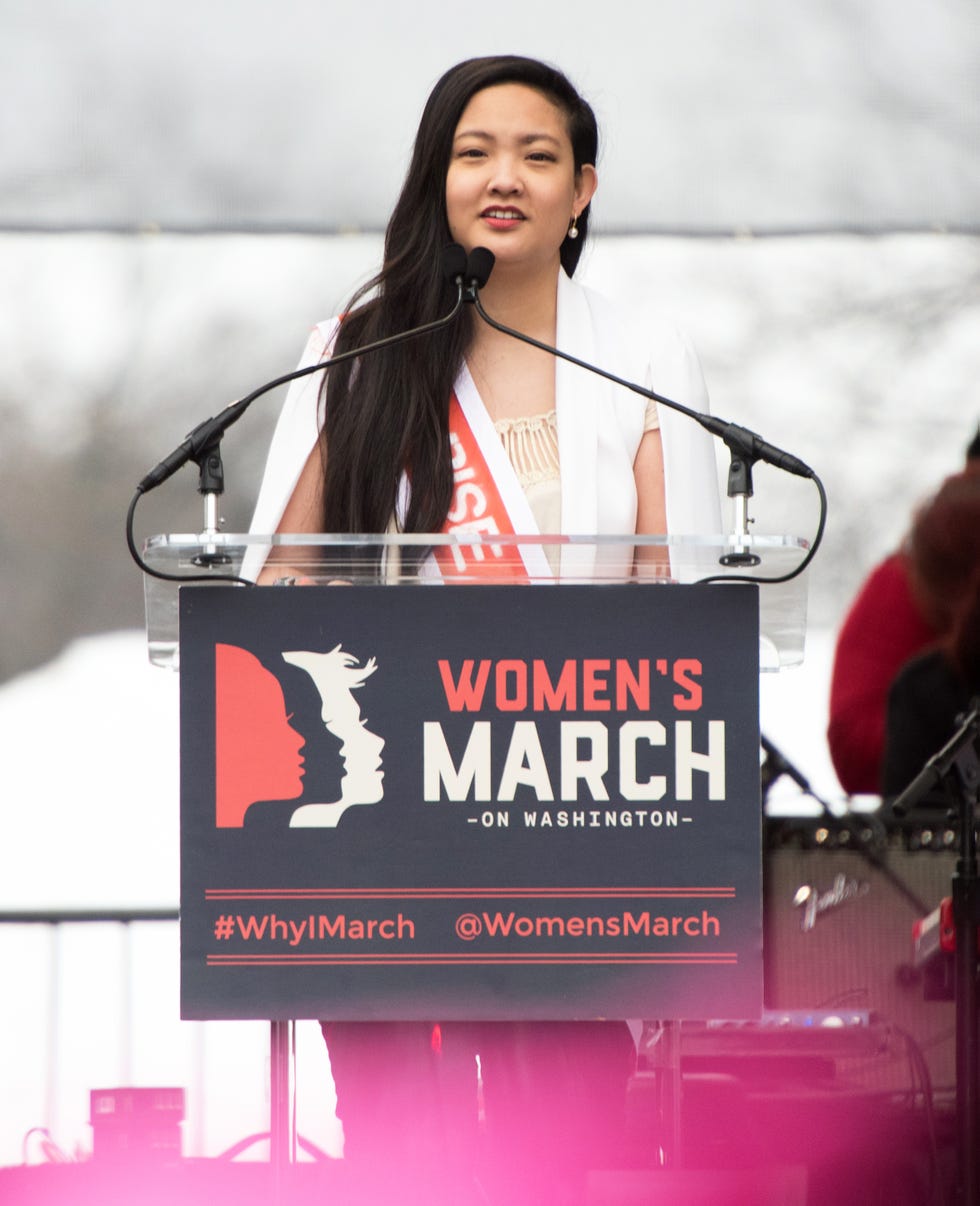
[448,802]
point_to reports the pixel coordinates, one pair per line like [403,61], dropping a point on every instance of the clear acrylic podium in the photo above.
[404,560]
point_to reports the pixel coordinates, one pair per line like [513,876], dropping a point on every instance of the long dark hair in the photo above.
[388,413]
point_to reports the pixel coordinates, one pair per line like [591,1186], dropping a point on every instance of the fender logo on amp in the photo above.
[814,903]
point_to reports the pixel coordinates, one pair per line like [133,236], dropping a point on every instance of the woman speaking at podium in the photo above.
[504,158]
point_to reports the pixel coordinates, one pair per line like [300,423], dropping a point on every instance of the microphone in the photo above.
[453,263]
[201,441]
[479,265]
[740,440]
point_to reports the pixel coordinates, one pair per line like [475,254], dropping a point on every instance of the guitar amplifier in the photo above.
[840,904]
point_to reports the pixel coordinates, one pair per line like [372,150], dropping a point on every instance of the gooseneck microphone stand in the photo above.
[957,767]
[203,444]
[745,446]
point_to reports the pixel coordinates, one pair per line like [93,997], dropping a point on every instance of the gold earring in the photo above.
[573,229]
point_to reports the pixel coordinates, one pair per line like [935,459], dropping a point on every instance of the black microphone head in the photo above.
[479,265]
[453,262]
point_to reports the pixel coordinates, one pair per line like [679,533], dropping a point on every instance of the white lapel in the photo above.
[578,398]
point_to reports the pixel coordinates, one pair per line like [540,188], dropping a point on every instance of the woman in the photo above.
[345,472]
[504,158]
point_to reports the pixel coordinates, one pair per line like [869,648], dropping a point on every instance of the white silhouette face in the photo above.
[336,675]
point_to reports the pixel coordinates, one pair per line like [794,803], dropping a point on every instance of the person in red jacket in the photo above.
[937,687]
[884,627]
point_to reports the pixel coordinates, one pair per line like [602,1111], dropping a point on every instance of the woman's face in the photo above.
[512,185]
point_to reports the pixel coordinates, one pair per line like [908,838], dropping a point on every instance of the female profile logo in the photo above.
[337,675]
[256,748]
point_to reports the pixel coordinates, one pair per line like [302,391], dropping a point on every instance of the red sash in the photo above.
[479,507]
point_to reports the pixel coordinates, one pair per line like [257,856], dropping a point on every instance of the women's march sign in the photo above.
[458,802]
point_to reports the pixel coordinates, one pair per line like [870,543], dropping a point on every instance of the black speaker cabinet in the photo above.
[840,905]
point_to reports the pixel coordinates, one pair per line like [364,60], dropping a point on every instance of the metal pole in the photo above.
[279,1121]
[965,896]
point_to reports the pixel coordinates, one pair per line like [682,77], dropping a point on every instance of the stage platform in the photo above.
[765,1148]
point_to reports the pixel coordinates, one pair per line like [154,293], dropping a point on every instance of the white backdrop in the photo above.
[715,112]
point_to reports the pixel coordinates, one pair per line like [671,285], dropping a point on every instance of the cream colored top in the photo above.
[531,445]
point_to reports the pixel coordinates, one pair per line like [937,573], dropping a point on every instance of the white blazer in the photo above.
[600,426]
